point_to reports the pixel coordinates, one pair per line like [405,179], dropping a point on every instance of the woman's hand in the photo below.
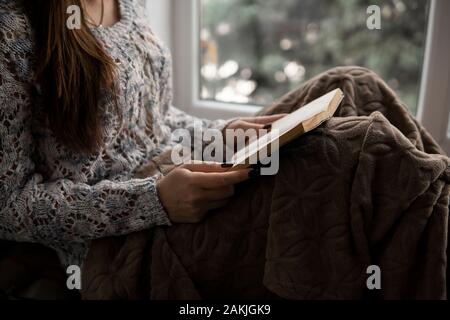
[256,123]
[190,191]
[252,128]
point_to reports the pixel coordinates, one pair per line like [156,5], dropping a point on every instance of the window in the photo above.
[233,56]
[254,51]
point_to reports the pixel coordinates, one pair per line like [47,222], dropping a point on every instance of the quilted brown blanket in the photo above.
[370,187]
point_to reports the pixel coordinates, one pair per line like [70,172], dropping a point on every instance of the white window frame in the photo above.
[186,24]
[159,13]
[434,97]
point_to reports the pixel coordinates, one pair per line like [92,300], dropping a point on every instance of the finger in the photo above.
[247,125]
[259,130]
[251,130]
[219,180]
[204,167]
[266,119]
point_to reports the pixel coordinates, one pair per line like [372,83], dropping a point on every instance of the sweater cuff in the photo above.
[150,205]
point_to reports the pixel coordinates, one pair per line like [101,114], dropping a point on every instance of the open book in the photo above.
[288,128]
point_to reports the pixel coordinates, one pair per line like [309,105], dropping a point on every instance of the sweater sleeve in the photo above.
[60,211]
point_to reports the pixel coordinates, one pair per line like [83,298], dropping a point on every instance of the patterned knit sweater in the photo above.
[61,199]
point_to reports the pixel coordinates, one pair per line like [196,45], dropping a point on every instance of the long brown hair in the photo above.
[73,69]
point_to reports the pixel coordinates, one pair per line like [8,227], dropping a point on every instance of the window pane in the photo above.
[254,51]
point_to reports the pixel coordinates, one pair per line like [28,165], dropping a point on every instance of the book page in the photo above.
[305,113]
[254,147]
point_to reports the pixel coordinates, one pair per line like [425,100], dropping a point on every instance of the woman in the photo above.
[82,109]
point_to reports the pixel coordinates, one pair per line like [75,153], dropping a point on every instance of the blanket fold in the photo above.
[368,188]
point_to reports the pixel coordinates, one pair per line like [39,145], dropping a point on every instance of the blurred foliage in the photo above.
[275,45]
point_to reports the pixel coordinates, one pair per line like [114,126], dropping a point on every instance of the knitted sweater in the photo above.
[53,196]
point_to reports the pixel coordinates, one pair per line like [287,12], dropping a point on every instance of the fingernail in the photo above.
[227,165]
[254,173]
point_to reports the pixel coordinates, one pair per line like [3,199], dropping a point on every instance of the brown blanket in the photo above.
[370,187]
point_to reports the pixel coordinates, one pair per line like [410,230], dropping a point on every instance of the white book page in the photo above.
[305,113]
